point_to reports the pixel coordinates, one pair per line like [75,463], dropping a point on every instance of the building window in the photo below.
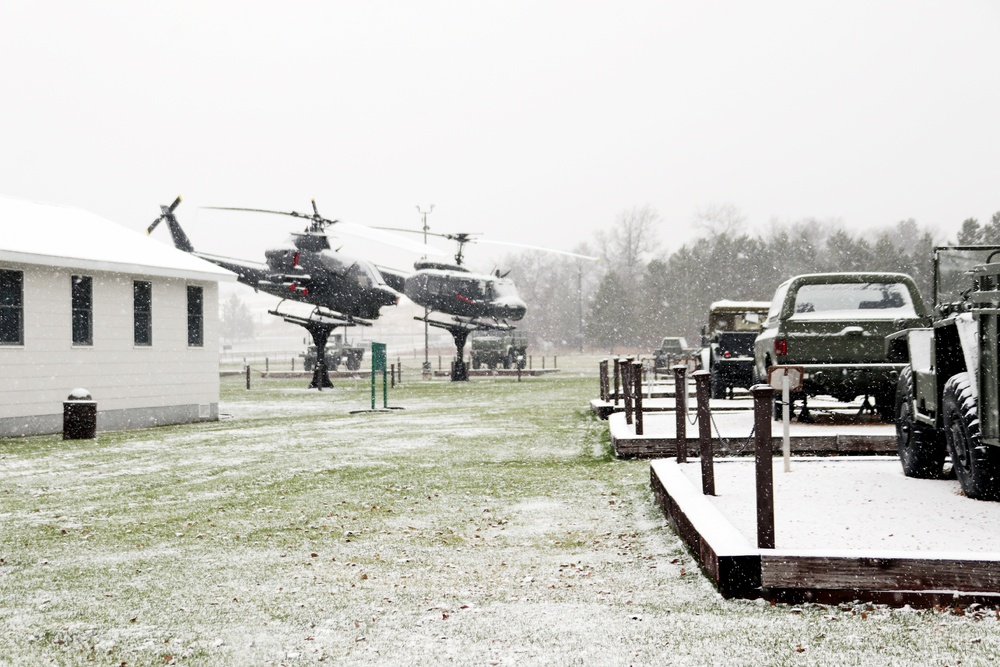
[82,290]
[196,316]
[11,307]
[142,305]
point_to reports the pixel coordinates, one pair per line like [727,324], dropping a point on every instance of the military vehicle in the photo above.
[732,328]
[671,351]
[492,349]
[947,395]
[834,325]
[338,351]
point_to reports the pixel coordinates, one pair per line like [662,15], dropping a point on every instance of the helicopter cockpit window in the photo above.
[434,284]
[504,288]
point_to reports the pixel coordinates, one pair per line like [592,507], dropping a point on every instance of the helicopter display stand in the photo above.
[319,324]
[460,330]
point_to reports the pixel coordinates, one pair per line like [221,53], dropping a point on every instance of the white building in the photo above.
[87,303]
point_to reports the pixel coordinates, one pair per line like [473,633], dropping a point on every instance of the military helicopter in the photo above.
[475,301]
[344,290]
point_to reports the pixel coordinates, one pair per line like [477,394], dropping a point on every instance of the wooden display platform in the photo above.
[828,575]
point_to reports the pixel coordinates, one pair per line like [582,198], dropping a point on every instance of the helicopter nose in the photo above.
[512,309]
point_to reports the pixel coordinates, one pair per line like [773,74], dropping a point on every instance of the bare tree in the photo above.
[632,238]
[720,220]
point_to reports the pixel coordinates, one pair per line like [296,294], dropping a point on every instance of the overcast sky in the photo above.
[534,121]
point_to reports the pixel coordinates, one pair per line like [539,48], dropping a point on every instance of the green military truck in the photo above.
[947,394]
[338,352]
[834,325]
[732,328]
[671,351]
[495,348]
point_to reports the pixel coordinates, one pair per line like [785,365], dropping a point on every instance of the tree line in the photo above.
[637,294]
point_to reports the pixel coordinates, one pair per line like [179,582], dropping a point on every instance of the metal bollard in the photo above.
[248,376]
[617,378]
[763,398]
[603,372]
[703,386]
[626,374]
[680,403]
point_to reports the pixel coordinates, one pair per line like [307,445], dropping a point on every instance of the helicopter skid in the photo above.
[320,316]
[467,324]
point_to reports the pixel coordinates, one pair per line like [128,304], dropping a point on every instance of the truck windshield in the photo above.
[856,300]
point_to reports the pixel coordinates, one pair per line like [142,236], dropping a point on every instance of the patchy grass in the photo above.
[487,523]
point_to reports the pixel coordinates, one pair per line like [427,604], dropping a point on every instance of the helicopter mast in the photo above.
[427,360]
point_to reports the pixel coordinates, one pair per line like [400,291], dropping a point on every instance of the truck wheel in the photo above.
[718,386]
[476,363]
[920,450]
[975,464]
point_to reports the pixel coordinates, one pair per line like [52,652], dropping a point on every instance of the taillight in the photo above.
[726,355]
[781,346]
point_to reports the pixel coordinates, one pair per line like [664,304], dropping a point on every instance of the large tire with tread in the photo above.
[976,465]
[718,386]
[920,449]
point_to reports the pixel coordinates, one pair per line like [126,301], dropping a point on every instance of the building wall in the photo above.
[134,386]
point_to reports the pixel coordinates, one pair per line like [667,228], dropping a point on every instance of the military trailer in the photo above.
[338,352]
[494,348]
[947,394]
[732,328]
[834,325]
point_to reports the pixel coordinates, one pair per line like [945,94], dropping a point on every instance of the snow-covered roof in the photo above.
[43,234]
[749,305]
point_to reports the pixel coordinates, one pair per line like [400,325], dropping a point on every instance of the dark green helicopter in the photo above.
[344,290]
[474,301]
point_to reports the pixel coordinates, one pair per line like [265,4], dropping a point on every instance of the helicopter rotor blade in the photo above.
[350,228]
[535,247]
[294,214]
[177,202]
[149,230]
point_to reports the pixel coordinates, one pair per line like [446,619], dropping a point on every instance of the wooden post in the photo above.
[543,362]
[555,361]
[392,376]
[529,362]
[293,363]
[267,365]
[603,368]
[399,371]
[248,376]
[626,374]
[680,403]
[637,390]
[703,386]
[617,379]
[763,396]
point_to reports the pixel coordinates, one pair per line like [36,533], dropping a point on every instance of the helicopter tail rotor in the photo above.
[181,241]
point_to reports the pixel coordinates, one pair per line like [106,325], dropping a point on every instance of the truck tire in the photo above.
[718,386]
[920,449]
[476,363]
[975,464]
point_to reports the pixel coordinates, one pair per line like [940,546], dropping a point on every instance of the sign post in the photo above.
[787,379]
[378,365]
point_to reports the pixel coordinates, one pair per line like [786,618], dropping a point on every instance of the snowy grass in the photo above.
[485,524]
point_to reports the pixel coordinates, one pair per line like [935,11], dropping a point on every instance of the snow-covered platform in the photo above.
[833,431]
[500,372]
[846,528]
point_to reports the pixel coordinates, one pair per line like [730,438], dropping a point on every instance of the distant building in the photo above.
[86,303]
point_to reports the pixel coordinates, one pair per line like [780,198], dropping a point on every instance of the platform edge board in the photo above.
[722,552]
